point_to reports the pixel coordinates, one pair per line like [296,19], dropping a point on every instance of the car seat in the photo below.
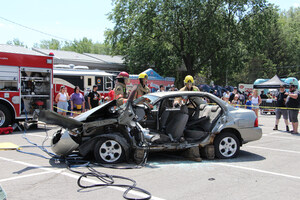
[177,123]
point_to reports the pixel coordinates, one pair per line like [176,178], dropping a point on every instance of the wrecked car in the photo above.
[154,122]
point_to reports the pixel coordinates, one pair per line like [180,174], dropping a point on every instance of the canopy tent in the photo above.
[274,82]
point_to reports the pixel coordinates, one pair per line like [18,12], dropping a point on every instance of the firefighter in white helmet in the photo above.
[120,88]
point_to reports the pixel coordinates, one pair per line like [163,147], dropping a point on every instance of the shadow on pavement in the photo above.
[173,158]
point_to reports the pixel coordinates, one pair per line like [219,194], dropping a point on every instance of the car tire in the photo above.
[227,145]
[109,151]
[5,116]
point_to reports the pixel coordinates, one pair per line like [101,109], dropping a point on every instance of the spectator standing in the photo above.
[161,88]
[111,94]
[281,98]
[226,96]
[101,100]
[263,95]
[172,88]
[106,99]
[86,102]
[242,98]
[77,101]
[62,99]
[94,97]
[292,102]
[256,101]
[216,93]
[236,101]
[249,103]
[232,95]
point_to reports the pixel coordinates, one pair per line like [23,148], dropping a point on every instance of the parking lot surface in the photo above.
[265,169]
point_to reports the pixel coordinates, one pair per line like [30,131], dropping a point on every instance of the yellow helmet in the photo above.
[143,75]
[189,78]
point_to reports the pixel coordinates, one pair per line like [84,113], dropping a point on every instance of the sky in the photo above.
[64,19]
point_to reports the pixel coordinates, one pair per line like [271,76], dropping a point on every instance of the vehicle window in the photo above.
[146,98]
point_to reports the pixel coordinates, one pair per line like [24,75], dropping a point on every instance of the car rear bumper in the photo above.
[250,134]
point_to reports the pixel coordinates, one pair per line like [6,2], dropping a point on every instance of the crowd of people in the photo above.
[285,101]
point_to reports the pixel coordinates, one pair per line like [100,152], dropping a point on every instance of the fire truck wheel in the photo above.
[5,116]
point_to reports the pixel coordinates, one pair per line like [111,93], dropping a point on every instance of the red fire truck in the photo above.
[25,84]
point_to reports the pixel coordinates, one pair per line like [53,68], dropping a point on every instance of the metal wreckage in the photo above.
[151,123]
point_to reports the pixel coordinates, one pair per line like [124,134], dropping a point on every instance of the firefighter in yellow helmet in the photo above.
[120,88]
[142,87]
[188,86]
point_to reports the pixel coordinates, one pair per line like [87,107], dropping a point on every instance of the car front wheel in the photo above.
[108,151]
[227,145]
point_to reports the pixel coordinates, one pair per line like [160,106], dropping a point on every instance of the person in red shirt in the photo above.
[111,94]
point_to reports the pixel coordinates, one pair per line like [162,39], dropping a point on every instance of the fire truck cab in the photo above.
[25,84]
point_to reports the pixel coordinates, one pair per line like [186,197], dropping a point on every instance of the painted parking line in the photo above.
[76,177]
[271,149]
[258,170]
[29,175]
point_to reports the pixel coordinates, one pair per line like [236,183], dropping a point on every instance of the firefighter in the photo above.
[142,87]
[188,82]
[193,152]
[120,88]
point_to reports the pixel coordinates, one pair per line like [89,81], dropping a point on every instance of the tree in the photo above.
[166,34]
[16,42]
[50,44]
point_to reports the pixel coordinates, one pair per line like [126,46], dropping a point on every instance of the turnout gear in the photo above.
[193,88]
[141,90]
[120,93]
[188,87]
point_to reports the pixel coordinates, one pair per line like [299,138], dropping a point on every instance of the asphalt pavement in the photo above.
[265,169]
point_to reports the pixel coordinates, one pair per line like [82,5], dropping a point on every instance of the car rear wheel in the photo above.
[227,145]
[5,116]
[109,151]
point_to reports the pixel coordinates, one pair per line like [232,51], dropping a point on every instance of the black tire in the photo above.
[109,151]
[5,116]
[227,145]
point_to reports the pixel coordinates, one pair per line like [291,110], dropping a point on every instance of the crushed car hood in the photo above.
[51,117]
[82,117]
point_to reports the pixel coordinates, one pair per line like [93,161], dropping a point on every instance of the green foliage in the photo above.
[225,41]
[50,44]
[208,37]
[16,42]
[81,46]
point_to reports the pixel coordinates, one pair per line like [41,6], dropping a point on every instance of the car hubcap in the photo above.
[110,151]
[227,146]
[2,118]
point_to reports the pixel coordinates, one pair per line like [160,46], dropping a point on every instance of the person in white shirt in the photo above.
[62,99]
